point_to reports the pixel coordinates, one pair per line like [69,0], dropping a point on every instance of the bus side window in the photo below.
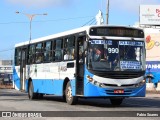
[81,49]
[17,56]
[47,51]
[31,54]
[58,50]
[39,53]
[69,48]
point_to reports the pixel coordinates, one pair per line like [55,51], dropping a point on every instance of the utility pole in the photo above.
[30,16]
[107,15]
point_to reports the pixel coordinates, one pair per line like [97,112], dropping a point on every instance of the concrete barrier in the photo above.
[150,87]
[158,87]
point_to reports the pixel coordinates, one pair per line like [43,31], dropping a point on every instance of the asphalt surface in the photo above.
[53,107]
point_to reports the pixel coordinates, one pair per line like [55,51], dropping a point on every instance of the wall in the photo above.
[152,36]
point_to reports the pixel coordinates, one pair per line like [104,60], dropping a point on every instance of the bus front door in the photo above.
[80,66]
[23,69]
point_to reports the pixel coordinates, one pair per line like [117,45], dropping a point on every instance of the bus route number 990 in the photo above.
[113,50]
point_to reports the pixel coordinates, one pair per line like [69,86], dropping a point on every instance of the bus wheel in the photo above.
[31,93]
[40,96]
[116,101]
[71,100]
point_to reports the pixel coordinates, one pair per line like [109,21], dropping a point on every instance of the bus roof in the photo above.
[69,32]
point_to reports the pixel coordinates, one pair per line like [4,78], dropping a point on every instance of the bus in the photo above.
[97,61]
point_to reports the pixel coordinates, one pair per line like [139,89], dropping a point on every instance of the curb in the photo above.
[6,86]
[152,92]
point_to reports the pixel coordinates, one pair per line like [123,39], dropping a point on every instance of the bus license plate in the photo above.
[119,91]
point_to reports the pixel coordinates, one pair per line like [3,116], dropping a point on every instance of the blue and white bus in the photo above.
[91,62]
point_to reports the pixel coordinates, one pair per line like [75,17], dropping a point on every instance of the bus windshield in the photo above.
[116,55]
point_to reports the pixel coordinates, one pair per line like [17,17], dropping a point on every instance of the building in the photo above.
[149,22]
[6,71]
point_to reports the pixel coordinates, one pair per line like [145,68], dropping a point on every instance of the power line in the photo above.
[6,50]
[63,19]
[92,20]
[13,22]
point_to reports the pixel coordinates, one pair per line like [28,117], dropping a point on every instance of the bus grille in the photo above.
[121,75]
[115,85]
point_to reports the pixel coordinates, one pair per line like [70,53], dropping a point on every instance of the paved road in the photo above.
[13,100]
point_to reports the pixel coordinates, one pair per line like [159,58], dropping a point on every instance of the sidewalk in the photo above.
[155,94]
[8,86]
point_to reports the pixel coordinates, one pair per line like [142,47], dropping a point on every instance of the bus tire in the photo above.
[116,101]
[40,96]
[31,93]
[70,99]
[64,97]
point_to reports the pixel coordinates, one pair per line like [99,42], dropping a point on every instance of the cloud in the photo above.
[131,5]
[39,3]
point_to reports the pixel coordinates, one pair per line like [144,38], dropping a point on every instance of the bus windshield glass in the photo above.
[114,55]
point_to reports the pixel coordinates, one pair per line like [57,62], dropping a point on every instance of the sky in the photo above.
[61,15]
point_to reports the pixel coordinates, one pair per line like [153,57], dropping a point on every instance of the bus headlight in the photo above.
[100,85]
[95,82]
[89,78]
[140,83]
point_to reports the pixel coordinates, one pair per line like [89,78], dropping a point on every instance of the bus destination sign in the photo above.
[116,31]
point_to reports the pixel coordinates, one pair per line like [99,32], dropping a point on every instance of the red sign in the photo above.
[158,12]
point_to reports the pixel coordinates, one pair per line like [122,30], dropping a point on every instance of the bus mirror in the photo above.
[85,45]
